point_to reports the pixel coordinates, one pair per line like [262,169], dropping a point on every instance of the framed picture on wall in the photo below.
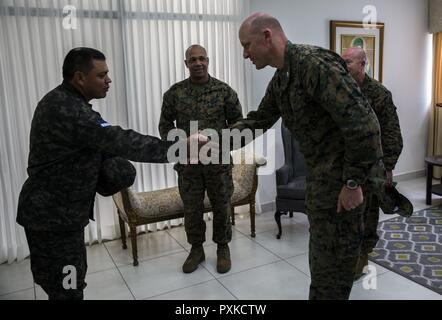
[346,34]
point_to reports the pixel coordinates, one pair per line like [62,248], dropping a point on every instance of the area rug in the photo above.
[412,247]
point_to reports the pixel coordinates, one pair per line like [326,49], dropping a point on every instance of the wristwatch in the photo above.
[351,184]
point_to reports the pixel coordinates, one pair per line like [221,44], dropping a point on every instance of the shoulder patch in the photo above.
[103,123]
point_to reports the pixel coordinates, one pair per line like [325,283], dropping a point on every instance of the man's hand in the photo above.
[389,179]
[197,137]
[349,199]
[194,144]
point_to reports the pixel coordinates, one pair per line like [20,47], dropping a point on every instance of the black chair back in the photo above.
[292,154]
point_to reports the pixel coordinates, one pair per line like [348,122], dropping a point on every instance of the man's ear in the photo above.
[267,34]
[185,62]
[78,77]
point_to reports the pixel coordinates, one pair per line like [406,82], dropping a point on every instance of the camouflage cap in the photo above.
[115,174]
[392,202]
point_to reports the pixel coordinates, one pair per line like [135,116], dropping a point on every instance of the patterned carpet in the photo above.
[412,247]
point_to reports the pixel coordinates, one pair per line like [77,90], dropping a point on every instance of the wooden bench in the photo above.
[140,208]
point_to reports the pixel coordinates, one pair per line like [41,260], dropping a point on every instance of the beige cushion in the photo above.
[167,202]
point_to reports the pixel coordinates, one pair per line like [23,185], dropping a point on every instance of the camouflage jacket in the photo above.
[320,103]
[381,101]
[68,142]
[214,105]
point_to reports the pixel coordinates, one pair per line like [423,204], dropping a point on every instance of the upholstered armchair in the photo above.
[290,180]
[140,208]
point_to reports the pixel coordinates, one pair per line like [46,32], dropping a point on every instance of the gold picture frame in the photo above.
[370,37]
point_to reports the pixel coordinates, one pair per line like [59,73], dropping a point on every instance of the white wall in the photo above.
[407,64]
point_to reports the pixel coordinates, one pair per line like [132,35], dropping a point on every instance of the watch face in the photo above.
[351,184]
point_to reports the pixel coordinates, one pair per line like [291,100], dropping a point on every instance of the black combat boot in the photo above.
[195,257]
[223,263]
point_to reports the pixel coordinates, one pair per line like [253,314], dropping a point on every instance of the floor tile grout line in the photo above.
[176,240]
[16,291]
[175,290]
[121,275]
[298,269]
[217,279]
[118,267]
[209,273]
[248,269]
[207,269]
[152,258]
[245,233]
[259,244]
[214,275]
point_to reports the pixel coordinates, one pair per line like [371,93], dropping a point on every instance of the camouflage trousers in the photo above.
[57,259]
[334,249]
[375,187]
[193,182]
[371,221]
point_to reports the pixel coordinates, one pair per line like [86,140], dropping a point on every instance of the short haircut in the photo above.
[80,59]
[195,46]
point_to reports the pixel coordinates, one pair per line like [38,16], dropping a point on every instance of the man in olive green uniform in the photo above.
[338,134]
[381,101]
[214,105]
[69,141]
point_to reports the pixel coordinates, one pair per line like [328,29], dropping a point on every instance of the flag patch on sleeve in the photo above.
[103,123]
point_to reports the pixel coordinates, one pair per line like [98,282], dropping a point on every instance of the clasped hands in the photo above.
[200,146]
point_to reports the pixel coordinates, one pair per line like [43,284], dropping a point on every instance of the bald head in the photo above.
[195,47]
[356,60]
[260,21]
[356,53]
[263,40]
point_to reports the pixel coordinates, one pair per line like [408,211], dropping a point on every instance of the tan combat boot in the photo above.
[223,263]
[195,257]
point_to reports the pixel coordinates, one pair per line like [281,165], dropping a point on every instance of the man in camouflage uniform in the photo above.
[214,105]
[338,134]
[68,143]
[381,101]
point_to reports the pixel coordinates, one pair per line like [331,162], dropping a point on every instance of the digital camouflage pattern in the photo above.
[381,101]
[214,105]
[371,220]
[320,103]
[50,253]
[334,249]
[68,142]
[339,135]
[115,174]
[193,182]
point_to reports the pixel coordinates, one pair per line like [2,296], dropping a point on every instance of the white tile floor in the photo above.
[262,267]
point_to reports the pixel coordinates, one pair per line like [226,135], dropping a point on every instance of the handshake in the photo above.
[201,148]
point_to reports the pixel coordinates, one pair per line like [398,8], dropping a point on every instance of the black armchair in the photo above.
[290,179]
